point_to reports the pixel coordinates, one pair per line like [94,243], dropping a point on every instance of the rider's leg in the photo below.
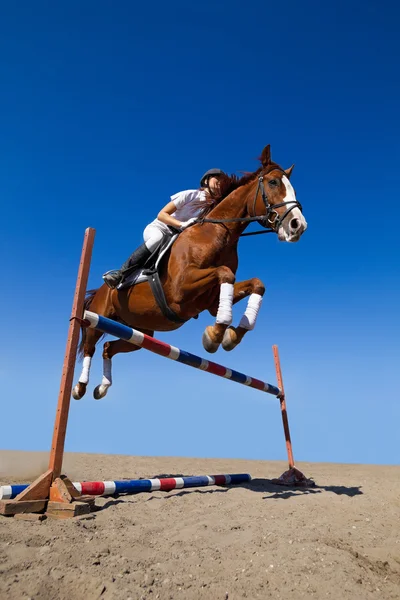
[153,237]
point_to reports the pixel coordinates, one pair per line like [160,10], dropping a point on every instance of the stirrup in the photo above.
[113,278]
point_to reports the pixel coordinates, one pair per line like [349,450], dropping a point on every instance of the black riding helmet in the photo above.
[208,174]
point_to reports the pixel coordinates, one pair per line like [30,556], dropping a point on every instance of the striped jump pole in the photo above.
[137,338]
[137,486]
[90,319]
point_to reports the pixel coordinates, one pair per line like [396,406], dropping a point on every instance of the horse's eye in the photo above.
[273,183]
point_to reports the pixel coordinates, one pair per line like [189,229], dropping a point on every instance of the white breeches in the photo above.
[153,236]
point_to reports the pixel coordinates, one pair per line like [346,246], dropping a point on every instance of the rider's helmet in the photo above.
[208,174]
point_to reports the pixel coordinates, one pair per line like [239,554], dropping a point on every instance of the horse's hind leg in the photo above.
[92,336]
[110,349]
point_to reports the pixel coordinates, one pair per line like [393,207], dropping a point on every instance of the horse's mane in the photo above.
[233,182]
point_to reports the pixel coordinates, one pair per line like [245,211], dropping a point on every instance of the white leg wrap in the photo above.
[84,378]
[107,379]
[224,314]
[249,318]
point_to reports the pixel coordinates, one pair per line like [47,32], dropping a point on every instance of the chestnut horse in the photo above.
[200,271]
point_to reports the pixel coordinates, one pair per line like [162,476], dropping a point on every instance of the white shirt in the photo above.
[189,204]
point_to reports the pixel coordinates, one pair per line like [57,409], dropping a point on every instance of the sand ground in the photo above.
[340,539]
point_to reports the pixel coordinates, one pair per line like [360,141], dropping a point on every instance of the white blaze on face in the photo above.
[290,199]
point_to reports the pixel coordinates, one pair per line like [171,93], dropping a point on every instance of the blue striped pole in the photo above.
[137,486]
[138,338]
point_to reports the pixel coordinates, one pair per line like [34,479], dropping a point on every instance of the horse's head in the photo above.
[276,199]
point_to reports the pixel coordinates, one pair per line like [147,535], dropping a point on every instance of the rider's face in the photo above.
[214,184]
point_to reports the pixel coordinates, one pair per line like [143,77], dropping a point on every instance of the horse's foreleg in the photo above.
[214,334]
[91,338]
[110,349]
[255,289]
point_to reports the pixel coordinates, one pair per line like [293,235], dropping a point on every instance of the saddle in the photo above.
[150,272]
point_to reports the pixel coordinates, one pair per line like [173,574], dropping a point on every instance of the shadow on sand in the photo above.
[285,492]
[263,486]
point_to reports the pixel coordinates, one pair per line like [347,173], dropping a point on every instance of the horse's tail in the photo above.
[90,294]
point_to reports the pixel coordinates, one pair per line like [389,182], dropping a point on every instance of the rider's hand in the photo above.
[188,223]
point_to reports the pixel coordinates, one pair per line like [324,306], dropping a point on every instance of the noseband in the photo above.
[276,221]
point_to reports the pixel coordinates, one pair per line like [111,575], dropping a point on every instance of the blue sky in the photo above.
[109,108]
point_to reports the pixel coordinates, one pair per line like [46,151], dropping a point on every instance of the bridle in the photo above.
[271,221]
[276,221]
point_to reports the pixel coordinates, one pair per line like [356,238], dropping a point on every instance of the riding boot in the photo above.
[136,260]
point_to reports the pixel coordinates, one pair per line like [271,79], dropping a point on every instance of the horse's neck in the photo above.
[234,206]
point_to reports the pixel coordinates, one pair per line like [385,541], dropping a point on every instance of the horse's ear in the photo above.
[289,171]
[265,157]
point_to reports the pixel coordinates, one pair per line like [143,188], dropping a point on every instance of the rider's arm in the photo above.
[165,215]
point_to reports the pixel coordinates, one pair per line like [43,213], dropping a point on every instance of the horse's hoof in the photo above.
[208,344]
[230,340]
[79,391]
[100,391]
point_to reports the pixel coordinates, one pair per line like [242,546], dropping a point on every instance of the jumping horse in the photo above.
[198,272]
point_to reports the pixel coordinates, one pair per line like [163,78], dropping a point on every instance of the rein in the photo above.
[273,224]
